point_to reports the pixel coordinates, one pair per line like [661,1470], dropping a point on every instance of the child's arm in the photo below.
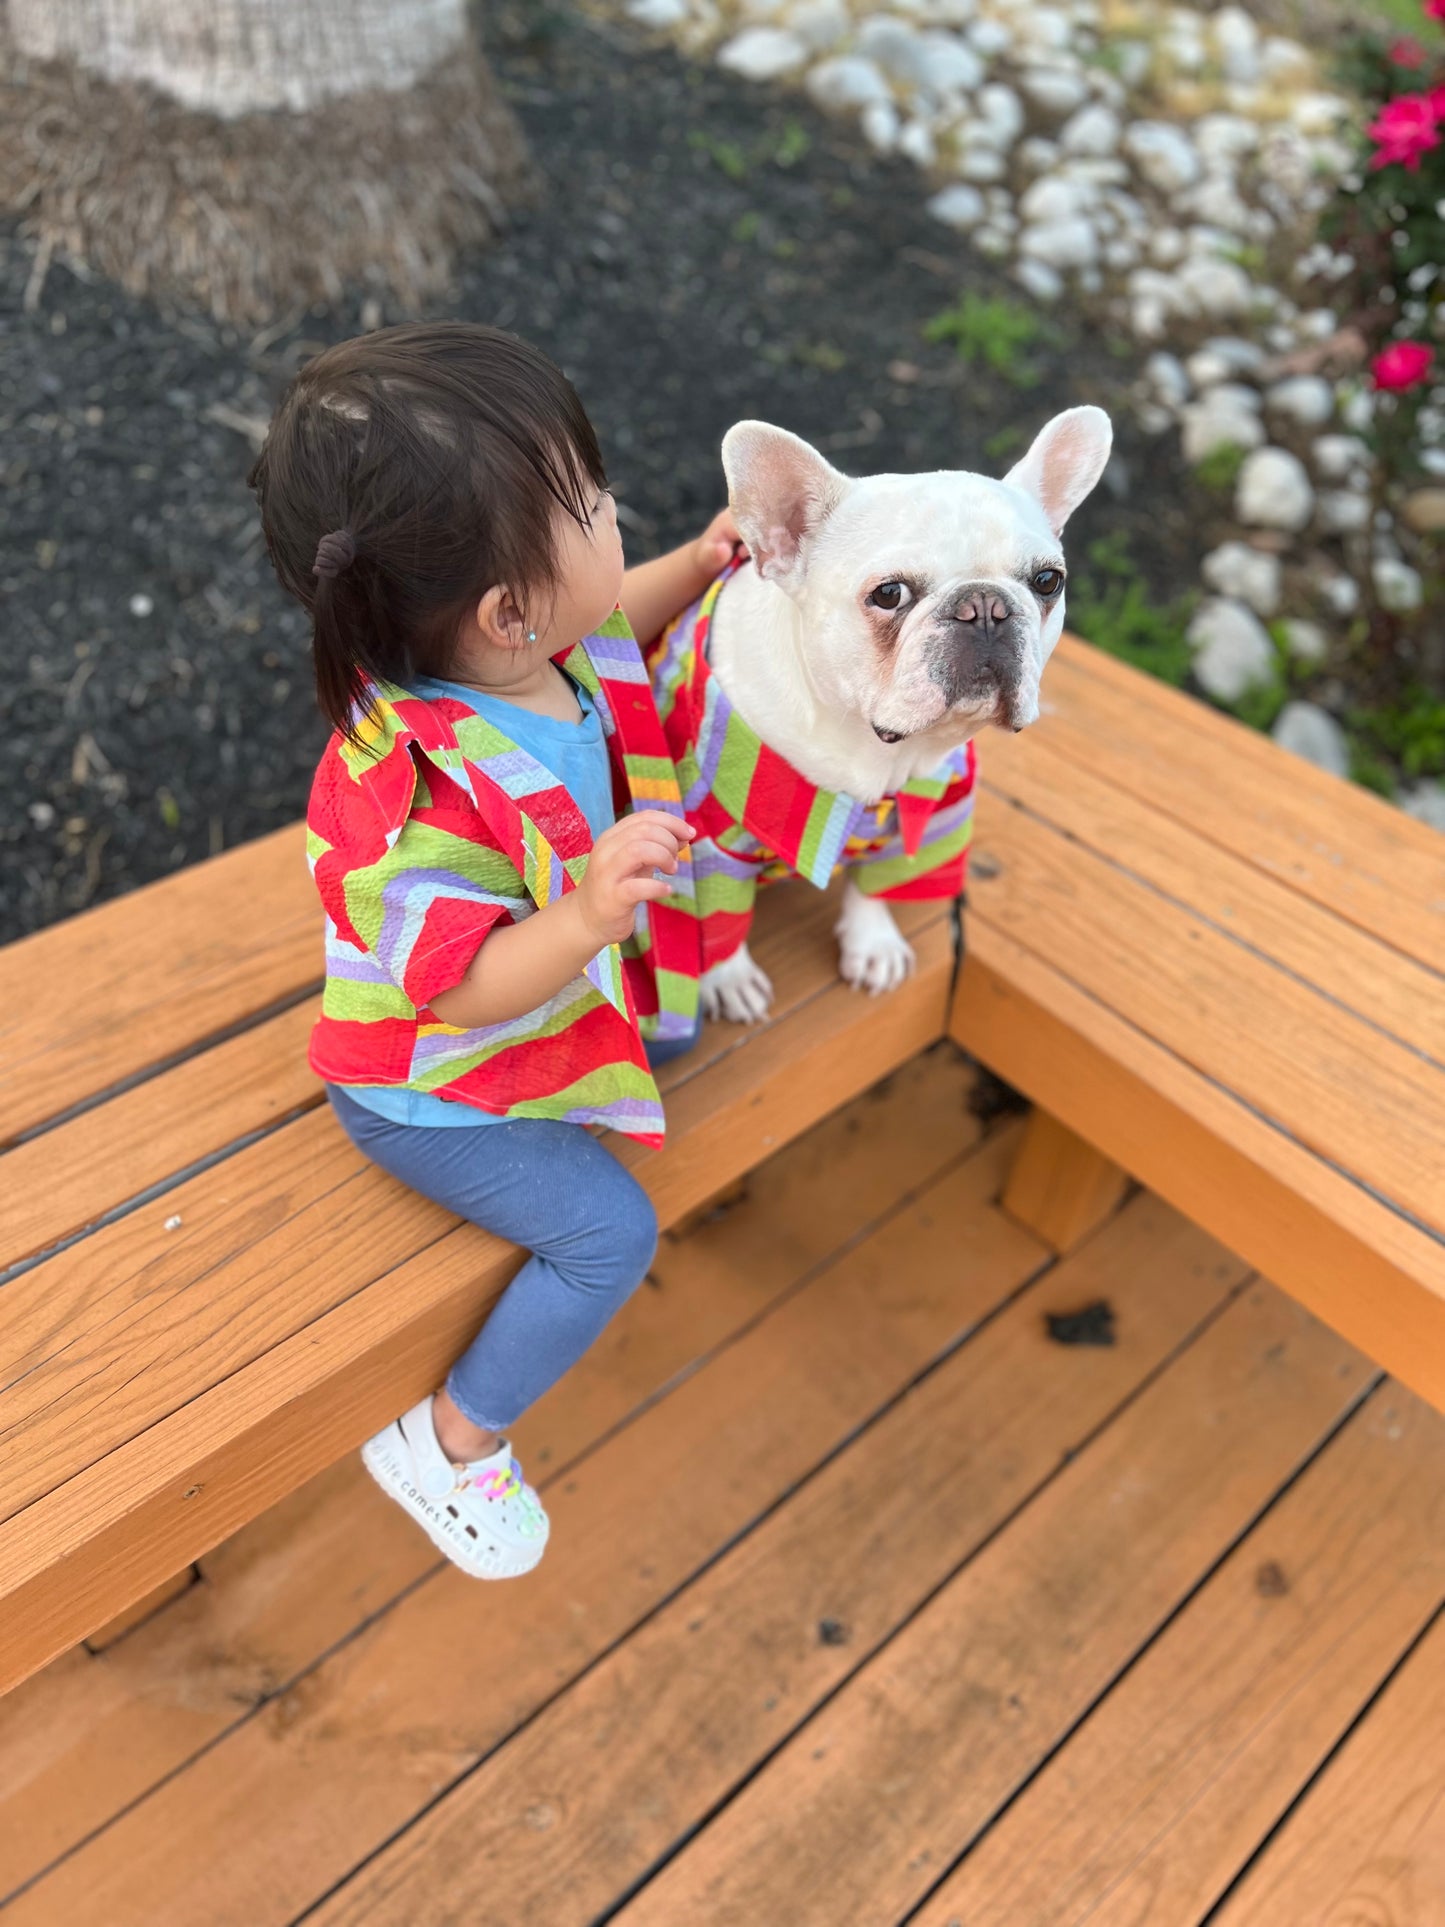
[654,592]
[521,965]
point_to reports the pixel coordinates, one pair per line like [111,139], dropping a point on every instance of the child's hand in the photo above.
[620,871]
[714,548]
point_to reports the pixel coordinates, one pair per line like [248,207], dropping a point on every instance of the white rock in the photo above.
[1282,59]
[1318,113]
[898,48]
[959,206]
[1219,288]
[880,126]
[1210,424]
[917,143]
[1218,202]
[1306,730]
[41,814]
[1232,650]
[1306,641]
[1063,244]
[1224,139]
[847,81]
[1344,511]
[951,66]
[1043,282]
[954,13]
[1274,490]
[1397,585]
[141,604]
[657,14]
[993,242]
[822,23]
[989,38]
[1054,89]
[761,9]
[1133,59]
[1166,246]
[1164,155]
[1153,418]
[1426,803]
[1184,47]
[1121,253]
[1237,38]
[1235,395]
[1037,154]
[1098,170]
[1000,108]
[1054,199]
[1358,410]
[1339,592]
[1050,28]
[1093,130]
[1318,324]
[1306,399]
[764,53]
[981,164]
[1165,374]
[1235,569]
[1148,317]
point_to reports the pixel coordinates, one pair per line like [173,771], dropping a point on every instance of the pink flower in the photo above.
[1407,51]
[1404,364]
[1406,129]
[1435,9]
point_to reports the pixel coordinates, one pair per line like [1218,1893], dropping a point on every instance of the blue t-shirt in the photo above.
[577,755]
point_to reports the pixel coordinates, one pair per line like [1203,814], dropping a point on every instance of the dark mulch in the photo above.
[702,251]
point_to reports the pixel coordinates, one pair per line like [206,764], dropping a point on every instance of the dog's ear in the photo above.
[1065,462]
[781,491]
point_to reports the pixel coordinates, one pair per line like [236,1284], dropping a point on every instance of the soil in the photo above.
[698,251]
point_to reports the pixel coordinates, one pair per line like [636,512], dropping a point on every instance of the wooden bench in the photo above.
[1211,968]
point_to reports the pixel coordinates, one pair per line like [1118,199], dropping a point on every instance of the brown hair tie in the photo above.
[334,553]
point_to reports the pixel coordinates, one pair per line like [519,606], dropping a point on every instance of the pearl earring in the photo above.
[531,635]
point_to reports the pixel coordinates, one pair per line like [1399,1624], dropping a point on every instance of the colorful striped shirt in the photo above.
[758,820]
[437,828]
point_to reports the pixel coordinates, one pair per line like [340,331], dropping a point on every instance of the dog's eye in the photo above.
[1048,582]
[889,595]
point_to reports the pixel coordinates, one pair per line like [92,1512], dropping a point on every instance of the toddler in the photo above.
[497,836]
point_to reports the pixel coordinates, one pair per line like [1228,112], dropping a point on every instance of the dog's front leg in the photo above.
[873,953]
[737,989]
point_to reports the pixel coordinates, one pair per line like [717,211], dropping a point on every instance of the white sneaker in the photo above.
[483,1516]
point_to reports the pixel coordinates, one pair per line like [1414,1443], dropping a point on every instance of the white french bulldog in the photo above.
[882,623]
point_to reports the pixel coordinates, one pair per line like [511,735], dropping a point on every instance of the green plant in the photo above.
[1259,706]
[1410,730]
[1111,606]
[1006,442]
[1219,469]
[1369,772]
[993,330]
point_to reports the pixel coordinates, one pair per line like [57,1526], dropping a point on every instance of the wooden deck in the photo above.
[869,1601]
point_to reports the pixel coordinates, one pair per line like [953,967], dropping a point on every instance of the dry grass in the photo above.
[255,217]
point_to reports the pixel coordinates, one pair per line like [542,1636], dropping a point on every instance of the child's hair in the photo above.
[405,474]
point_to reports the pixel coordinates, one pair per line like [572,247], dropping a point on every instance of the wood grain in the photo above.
[108,995]
[887,1785]
[1376,1278]
[77,1744]
[368,1332]
[1330,842]
[700,1693]
[263,1822]
[1061,1188]
[1368,1843]
[1149,1811]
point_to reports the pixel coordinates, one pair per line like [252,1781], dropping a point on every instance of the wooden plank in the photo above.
[131,984]
[1152,1808]
[1368,1843]
[82,1550]
[170,1589]
[1358,1099]
[262,1823]
[1060,1188]
[700,1692]
[1401,997]
[1330,841]
[882,1789]
[77,1744]
[56,1184]
[1370,1274]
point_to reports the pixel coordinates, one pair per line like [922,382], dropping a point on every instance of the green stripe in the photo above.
[872,878]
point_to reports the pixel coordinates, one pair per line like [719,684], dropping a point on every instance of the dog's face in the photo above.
[929,603]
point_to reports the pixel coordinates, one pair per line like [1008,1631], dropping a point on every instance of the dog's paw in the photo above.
[736,990]
[873,953]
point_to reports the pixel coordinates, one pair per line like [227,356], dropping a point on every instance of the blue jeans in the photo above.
[551,1188]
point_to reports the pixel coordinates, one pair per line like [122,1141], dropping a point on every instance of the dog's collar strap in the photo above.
[807,827]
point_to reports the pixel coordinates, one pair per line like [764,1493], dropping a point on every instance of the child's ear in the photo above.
[781,491]
[501,620]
